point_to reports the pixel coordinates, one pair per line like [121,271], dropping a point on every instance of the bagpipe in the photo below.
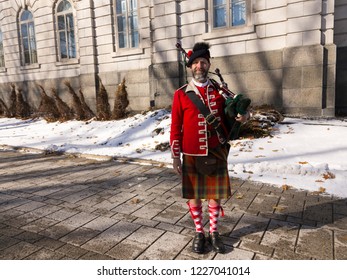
[235,104]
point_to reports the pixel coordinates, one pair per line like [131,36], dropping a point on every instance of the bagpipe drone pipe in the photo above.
[235,104]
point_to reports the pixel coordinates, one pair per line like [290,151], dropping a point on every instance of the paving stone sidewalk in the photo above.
[67,207]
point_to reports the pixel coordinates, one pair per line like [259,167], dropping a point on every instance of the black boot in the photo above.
[216,242]
[199,243]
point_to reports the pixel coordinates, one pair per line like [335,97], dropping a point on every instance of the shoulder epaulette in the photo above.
[183,87]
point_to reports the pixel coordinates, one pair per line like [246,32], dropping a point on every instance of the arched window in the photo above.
[127,27]
[2,57]
[65,30]
[27,38]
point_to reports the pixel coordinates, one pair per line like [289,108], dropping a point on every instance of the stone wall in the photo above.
[285,55]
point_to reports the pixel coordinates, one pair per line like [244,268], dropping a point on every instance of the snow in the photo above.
[302,153]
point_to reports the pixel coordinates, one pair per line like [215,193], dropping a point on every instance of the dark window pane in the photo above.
[24,30]
[25,44]
[135,39]
[219,17]
[31,30]
[122,40]
[64,6]
[71,45]
[69,21]
[121,6]
[63,51]
[121,23]
[2,59]
[26,57]
[26,15]
[133,5]
[133,22]
[34,56]
[61,23]
[238,12]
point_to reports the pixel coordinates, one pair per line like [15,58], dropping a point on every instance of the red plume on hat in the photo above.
[200,49]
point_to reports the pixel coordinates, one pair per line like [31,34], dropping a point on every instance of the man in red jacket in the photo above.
[195,138]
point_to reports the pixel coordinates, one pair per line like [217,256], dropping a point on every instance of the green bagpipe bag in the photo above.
[233,107]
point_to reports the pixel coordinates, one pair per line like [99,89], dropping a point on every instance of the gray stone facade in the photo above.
[290,53]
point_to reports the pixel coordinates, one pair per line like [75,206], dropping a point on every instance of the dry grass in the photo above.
[121,102]
[23,109]
[102,105]
[65,112]
[47,108]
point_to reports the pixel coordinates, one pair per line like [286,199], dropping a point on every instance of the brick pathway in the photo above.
[65,207]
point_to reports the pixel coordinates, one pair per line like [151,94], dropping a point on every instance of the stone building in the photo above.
[288,53]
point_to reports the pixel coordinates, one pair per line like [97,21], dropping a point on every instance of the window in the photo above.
[27,38]
[65,31]
[127,29]
[2,57]
[227,13]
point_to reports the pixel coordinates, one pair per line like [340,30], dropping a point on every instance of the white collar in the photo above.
[197,84]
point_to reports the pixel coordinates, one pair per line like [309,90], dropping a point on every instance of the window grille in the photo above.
[2,56]
[228,13]
[27,38]
[65,30]
[127,27]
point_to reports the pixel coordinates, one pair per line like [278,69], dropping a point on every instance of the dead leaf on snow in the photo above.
[322,190]
[328,175]
[303,162]
[286,187]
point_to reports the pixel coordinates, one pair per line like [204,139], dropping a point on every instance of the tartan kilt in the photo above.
[198,186]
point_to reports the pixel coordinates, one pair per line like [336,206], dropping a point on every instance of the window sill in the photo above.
[31,66]
[67,62]
[228,32]
[3,69]
[127,52]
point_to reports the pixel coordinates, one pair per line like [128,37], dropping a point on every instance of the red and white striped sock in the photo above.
[213,211]
[196,213]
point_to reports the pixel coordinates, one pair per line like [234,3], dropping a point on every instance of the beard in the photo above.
[200,76]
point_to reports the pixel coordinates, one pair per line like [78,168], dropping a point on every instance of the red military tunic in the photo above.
[190,134]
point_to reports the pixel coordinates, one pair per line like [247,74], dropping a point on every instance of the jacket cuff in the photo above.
[175,149]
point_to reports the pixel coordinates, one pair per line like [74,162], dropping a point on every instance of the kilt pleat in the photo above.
[199,186]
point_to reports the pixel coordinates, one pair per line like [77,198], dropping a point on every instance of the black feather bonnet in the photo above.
[200,49]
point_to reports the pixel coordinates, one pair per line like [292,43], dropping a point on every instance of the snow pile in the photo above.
[303,154]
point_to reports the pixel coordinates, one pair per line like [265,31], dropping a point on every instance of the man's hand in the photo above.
[177,165]
[242,118]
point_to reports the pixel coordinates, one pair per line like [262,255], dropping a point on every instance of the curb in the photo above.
[30,150]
